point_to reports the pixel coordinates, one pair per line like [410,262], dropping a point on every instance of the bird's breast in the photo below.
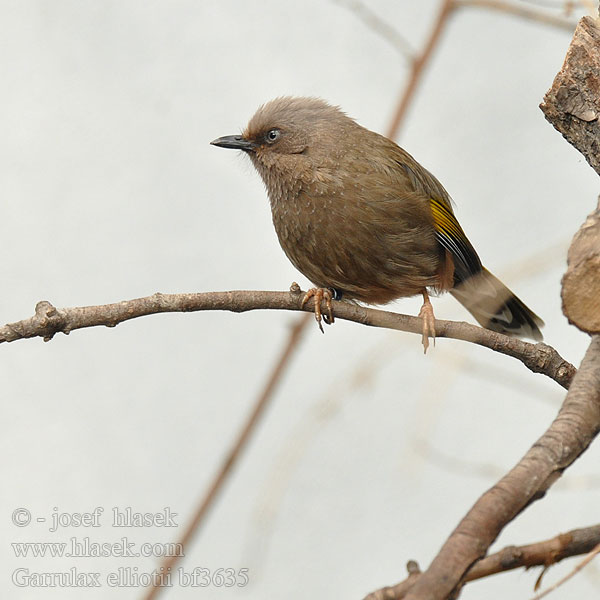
[373,251]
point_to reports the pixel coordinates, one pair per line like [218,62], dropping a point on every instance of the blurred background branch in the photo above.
[236,451]
[518,10]
[380,26]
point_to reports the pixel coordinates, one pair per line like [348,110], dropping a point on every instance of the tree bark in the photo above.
[572,104]
[581,283]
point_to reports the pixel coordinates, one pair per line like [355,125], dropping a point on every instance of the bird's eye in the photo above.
[273,135]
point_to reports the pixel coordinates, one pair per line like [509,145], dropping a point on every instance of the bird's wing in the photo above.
[487,298]
[448,231]
[451,236]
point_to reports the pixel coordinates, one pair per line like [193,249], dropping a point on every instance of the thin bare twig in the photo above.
[48,320]
[524,12]
[568,576]
[543,554]
[236,450]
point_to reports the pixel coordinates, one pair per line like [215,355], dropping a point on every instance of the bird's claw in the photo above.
[320,294]
[426,313]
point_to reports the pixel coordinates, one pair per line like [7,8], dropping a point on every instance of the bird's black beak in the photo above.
[237,142]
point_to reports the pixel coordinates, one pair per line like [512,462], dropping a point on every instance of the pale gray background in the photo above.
[110,191]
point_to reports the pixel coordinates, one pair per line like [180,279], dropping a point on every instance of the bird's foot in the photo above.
[426,313]
[320,294]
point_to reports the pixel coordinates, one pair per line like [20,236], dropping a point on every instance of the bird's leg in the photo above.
[426,313]
[336,295]
[319,295]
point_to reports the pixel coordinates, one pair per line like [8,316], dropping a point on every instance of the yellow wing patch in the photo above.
[444,220]
[452,237]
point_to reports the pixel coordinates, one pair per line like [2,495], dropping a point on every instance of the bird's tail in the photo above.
[495,307]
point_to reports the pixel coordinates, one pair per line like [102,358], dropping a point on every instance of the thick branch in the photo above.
[48,320]
[546,553]
[576,425]
[572,105]
[581,283]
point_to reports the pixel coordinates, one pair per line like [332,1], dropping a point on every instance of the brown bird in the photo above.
[363,220]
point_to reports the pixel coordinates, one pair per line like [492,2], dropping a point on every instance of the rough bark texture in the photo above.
[581,282]
[572,105]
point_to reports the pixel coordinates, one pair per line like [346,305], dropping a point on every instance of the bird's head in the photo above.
[288,135]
